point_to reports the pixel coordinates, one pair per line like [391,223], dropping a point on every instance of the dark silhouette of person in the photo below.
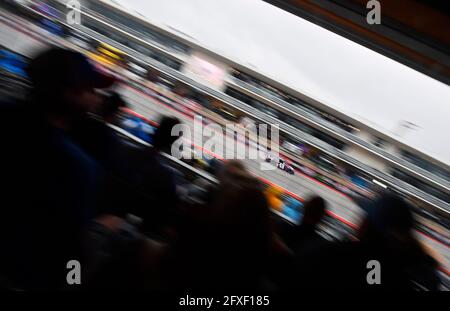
[225,246]
[163,139]
[386,235]
[305,235]
[50,181]
[301,238]
[153,178]
[95,136]
[112,108]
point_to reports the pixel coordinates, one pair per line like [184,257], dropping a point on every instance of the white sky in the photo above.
[335,71]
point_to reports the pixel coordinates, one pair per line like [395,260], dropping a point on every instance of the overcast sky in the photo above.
[335,71]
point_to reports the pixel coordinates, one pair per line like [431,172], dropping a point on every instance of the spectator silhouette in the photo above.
[94,134]
[294,235]
[154,179]
[301,238]
[112,107]
[386,236]
[163,139]
[96,137]
[226,247]
[305,235]
[51,182]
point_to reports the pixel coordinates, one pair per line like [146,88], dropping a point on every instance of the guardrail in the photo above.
[130,33]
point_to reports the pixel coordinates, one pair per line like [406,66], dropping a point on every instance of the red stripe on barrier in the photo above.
[156,100]
[134,113]
[295,196]
[444,270]
[342,219]
[432,238]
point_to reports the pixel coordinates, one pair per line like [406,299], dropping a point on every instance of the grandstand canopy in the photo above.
[413,32]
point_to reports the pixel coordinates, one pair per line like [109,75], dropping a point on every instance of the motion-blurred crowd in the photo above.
[75,189]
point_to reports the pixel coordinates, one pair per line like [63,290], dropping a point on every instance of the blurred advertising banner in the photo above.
[206,70]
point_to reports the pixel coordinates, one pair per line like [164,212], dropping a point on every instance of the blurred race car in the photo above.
[269,157]
[282,165]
